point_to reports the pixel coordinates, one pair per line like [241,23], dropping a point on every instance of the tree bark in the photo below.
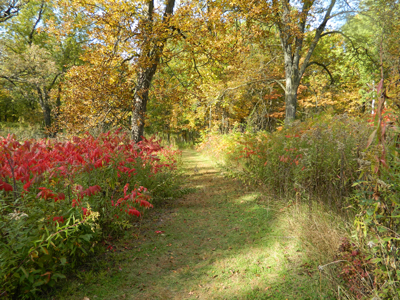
[150,54]
[140,98]
[292,85]
[47,120]
[44,101]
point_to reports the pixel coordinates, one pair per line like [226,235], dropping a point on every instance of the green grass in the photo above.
[224,240]
[22,131]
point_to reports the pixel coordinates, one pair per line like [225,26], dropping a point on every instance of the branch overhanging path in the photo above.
[223,240]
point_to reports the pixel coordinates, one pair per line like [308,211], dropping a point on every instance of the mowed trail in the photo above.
[222,240]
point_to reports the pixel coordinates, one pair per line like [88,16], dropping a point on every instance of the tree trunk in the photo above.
[292,75]
[292,46]
[57,114]
[140,98]
[151,56]
[44,101]
[47,119]
[292,85]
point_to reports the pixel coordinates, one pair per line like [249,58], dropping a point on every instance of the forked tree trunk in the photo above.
[292,46]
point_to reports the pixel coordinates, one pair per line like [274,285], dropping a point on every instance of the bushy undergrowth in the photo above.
[317,159]
[58,200]
[335,160]
[378,218]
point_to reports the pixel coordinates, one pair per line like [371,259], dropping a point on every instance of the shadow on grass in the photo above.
[225,241]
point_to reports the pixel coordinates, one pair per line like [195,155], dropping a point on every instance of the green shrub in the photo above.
[317,158]
[378,220]
[36,248]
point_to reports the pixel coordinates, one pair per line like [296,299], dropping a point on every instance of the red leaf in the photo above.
[45,193]
[145,203]
[126,188]
[58,219]
[28,184]
[92,190]
[75,202]
[85,211]
[60,196]
[133,211]
[5,186]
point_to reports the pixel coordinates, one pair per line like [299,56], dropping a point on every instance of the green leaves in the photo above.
[59,219]
[24,271]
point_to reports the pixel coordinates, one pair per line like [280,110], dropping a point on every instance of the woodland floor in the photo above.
[224,240]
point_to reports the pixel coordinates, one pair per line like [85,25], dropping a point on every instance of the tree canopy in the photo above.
[189,66]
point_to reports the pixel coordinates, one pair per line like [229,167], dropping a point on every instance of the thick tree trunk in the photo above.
[293,77]
[291,103]
[47,118]
[44,101]
[292,85]
[140,98]
[151,54]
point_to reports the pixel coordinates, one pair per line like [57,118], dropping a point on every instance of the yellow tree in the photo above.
[248,92]
[334,82]
[96,95]
[131,39]
[128,39]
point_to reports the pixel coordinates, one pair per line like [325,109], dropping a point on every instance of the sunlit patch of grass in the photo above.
[248,197]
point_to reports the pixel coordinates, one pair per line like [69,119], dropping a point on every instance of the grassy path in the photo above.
[222,241]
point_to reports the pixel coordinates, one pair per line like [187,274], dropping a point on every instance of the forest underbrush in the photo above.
[340,189]
[62,201]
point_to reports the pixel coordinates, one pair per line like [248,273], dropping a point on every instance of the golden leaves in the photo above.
[96,95]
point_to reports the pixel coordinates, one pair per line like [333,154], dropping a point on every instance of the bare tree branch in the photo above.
[324,67]
[222,94]
[10,8]
[317,36]
[8,79]
[39,18]
[356,49]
